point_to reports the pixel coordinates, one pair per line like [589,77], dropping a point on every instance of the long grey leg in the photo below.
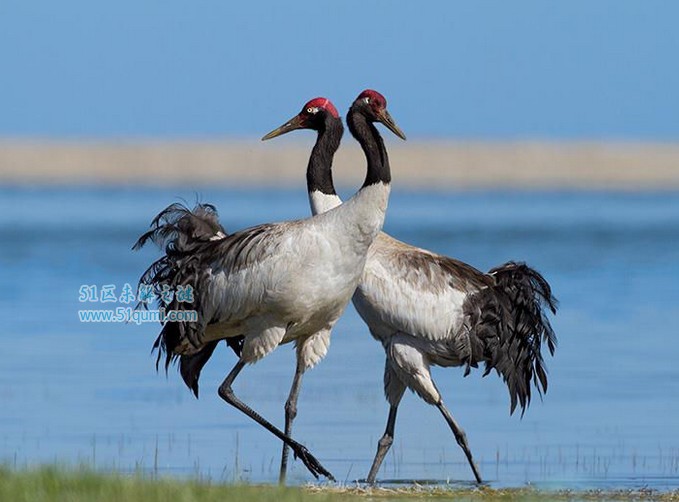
[383,445]
[461,439]
[290,414]
[227,394]
[393,390]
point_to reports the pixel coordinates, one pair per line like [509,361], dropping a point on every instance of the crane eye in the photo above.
[312,109]
[367,100]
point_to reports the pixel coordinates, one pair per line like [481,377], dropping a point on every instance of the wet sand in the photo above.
[415,164]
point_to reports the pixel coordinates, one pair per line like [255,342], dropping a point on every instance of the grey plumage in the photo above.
[188,238]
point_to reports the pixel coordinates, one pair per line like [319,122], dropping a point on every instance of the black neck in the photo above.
[373,147]
[319,170]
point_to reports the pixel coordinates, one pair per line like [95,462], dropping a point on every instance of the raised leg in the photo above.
[383,445]
[290,414]
[226,393]
[461,439]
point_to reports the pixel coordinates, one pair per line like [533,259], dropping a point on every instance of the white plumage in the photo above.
[287,281]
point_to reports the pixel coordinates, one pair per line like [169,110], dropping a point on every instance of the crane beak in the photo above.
[386,119]
[292,124]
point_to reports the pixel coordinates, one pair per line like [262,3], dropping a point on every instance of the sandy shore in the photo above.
[416,164]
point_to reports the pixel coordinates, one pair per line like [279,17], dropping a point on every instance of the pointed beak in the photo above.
[290,125]
[386,119]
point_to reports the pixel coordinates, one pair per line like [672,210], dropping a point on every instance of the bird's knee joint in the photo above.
[290,410]
[461,438]
[226,393]
[385,441]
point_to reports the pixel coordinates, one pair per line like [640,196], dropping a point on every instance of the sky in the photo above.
[594,69]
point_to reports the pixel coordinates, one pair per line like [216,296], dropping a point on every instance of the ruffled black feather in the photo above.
[507,327]
[187,237]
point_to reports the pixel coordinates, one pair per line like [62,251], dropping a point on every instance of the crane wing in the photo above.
[414,291]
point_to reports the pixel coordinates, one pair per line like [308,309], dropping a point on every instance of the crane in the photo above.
[427,309]
[264,286]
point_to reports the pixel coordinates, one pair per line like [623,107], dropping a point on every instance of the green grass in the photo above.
[55,485]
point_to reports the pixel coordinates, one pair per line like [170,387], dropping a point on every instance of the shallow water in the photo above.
[75,393]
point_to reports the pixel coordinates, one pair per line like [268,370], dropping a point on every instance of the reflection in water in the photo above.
[88,393]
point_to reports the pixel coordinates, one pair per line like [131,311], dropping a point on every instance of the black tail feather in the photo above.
[510,321]
[190,366]
[185,235]
[181,228]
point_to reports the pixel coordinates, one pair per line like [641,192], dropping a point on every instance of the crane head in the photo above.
[374,106]
[312,116]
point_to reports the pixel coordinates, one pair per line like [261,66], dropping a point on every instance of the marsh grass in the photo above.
[50,484]
[54,484]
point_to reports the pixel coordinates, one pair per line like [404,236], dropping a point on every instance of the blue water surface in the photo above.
[77,393]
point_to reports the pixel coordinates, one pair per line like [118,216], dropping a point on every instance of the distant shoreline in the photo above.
[415,164]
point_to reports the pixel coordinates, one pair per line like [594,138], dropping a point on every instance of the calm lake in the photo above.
[85,393]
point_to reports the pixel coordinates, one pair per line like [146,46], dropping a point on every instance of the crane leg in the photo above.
[461,439]
[227,394]
[290,414]
[383,445]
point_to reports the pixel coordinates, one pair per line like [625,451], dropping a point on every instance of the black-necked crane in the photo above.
[427,309]
[266,285]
